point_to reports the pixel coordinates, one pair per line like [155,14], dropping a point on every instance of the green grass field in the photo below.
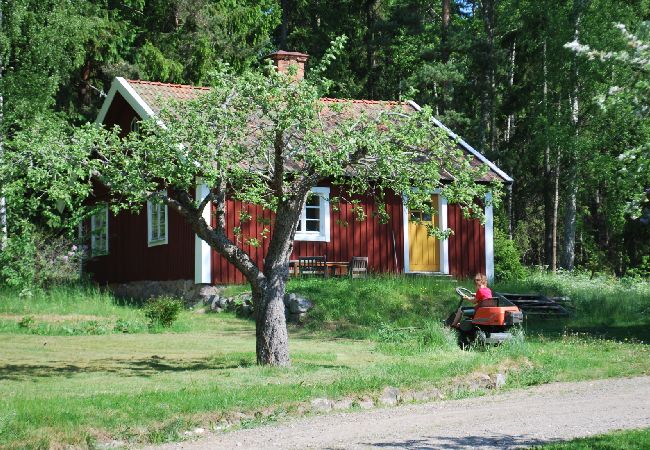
[620,440]
[86,369]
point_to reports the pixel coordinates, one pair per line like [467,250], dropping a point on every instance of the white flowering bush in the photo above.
[633,90]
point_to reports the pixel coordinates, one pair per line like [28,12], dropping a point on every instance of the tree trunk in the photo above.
[488,132]
[272,339]
[548,171]
[84,92]
[3,201]
[570,209]
[510,124]
[570,205]
[370,13]
[284,25]
[556,204]
[444,38]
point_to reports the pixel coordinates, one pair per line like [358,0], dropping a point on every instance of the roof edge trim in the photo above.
[136,102]
[469,148]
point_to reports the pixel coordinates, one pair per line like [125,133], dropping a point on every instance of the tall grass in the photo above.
[598,301]
[87,300]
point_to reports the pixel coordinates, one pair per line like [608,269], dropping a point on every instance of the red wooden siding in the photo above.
[348,238]
[466,246]
[130,259]
[120,113]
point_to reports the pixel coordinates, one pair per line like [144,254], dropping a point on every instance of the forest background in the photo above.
[555,92]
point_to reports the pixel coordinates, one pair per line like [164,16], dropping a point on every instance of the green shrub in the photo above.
[36,259]
[507,259]
[642,271]
[162,311]
[26,322]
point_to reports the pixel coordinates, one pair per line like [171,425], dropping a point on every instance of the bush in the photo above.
[507,259]
[36,259]
[162,311]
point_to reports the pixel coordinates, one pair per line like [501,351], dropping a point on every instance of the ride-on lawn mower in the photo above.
[488,324]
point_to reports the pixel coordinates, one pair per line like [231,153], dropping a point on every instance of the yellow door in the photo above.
[424,250]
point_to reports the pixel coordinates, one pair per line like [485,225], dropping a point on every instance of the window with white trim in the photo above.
[135,124]
[314,222]
[156,223]
[99,232]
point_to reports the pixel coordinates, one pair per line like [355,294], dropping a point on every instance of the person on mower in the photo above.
[482,292]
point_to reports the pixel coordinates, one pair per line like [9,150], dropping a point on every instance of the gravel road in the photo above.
[533,416]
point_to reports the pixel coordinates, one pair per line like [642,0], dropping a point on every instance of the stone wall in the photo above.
[296,307]
[186,290]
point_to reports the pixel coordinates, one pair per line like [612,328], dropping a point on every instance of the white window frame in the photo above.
[154,240]
[99,232]
[323,234]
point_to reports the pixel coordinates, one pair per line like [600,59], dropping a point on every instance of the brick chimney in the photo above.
[283,60]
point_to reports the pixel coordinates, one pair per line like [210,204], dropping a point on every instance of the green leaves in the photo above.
[46,172]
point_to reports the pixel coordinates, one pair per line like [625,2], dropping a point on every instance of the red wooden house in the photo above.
[156,244]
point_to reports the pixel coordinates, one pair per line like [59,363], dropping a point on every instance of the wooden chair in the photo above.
[312,266]
[358,267]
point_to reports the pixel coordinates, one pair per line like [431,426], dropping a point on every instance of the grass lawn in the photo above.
[71,375]
[620,440]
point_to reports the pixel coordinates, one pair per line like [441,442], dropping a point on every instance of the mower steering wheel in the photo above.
[464,292]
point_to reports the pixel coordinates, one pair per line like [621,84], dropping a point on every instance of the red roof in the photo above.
[155,94]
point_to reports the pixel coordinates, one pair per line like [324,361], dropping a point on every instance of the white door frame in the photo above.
[442,223]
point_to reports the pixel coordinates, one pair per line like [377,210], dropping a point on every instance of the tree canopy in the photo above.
[267,140]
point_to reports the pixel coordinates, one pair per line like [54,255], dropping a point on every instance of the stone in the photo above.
[111,444]
[390,396]
[186,290]
[215,303]
[344,403]
[408,397]
[298,305]
[206,290]
[321,405]
[500,380]
[479,381]
[295,318]
[287,298]
[365,403]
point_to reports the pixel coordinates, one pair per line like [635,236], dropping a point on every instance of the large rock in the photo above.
[298,305]
[321,405]
[390,396]
[186,290]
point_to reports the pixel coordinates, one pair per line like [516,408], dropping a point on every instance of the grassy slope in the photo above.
[151,387]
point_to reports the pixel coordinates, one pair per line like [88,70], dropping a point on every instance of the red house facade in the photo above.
[157,244]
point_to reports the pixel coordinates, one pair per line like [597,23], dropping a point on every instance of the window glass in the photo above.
[156,223]
[313,224]
[99,232]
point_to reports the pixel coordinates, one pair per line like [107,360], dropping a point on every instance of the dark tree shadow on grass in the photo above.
[500,441]
[639,333]
[144,367]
